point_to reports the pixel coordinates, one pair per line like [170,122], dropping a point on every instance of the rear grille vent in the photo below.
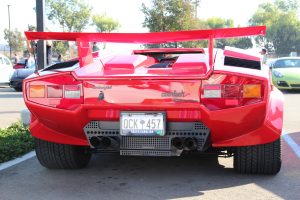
[199,126]
[144,153]
[93,125]
[148,142]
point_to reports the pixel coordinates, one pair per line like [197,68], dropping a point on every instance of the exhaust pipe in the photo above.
[100,142]
[114,142]
[177,143]
[190,144]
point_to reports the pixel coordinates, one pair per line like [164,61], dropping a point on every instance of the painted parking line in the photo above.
[295,147]
[17,160]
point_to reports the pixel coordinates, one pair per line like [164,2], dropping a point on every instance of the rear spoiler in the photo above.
[83,39]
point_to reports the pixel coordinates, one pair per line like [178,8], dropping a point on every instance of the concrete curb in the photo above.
[17,160]
[25,116]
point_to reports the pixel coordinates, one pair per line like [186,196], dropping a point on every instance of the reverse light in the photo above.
[72,91]
[212,91]
[37,91]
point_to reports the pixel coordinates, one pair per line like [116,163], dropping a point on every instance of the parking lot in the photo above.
[115,177]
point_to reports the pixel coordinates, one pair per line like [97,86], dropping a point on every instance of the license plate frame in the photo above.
[155,115]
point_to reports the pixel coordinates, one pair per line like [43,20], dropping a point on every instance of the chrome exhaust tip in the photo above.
[177,143]
[190,144]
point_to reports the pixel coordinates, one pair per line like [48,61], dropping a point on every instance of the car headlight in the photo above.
[277,74]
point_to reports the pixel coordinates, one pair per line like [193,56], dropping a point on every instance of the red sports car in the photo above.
[156,102]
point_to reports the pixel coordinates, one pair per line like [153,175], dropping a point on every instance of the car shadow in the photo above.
[118,177]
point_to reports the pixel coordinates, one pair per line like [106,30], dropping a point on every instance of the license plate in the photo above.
[142,123]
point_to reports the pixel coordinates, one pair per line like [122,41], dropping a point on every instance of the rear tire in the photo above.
[61,156]
[258,159]
[18,89]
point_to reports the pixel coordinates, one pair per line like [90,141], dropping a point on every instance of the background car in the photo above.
[19,75]
[16,80]
[286,73]
[6,69]
[270,62]
[20,64]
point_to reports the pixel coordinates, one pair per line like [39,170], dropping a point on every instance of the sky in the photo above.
[127,12]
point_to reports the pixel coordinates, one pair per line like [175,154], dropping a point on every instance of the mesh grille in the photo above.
[136,142]
[93,125]
[200,126]
[144,153]
[187,134]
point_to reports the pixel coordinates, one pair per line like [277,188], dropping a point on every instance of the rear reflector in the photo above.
[54,91]
[72,91]
[37,91]
[252,91]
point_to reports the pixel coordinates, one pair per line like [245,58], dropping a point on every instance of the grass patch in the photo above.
[15,141]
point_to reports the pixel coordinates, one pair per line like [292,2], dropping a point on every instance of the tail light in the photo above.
[55,91]
[49,92]
[37,91]
[72,91]
[226,91]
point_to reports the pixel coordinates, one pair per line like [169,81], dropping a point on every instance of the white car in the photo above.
[6,69]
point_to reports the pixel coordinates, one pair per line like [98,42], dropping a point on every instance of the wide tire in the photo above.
[258,159]
[61,156]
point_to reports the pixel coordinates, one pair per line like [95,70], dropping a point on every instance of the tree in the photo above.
[72,15]
[170,15]
[217,22]
[60,47]
[14,39]
[105,23]
[283,26]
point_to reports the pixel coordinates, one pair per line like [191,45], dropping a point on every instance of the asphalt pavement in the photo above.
[193,177]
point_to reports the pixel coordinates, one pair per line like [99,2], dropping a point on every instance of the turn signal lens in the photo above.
[37,91]
[252,91]
[54,91]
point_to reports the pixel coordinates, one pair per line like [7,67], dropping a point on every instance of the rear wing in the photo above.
[83,39]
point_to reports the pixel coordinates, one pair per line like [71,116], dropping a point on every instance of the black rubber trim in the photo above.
[62,65]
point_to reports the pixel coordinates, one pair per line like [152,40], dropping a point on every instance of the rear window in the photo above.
[238,62]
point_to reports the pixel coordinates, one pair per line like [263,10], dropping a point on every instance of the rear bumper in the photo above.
[249,125]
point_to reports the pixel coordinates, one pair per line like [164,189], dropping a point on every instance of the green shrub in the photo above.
[14,142]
